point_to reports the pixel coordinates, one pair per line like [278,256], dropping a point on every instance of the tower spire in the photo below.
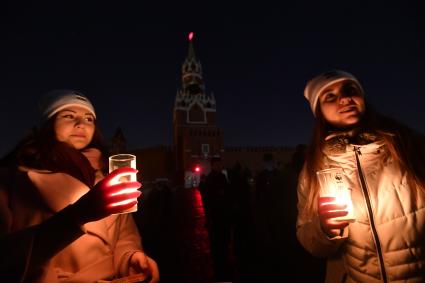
[191,65]
[192,81]
[191,54]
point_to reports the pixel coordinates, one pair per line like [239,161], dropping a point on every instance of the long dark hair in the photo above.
[41,150]
[405,146]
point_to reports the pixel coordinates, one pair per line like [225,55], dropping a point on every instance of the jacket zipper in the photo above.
[371,218]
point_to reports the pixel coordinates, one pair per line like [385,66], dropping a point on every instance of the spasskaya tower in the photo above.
[196,137]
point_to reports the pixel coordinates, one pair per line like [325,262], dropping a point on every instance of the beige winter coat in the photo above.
[103,250]
[386,243]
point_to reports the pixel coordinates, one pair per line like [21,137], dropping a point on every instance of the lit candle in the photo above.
[332,184]
[124,160]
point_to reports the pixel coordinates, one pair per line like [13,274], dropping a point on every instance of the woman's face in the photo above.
[342,104]
[75,126]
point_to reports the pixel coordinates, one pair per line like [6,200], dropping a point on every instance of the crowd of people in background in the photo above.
[250,217]
[251,220]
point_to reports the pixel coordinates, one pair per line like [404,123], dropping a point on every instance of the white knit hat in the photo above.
[322,81]
[56,100]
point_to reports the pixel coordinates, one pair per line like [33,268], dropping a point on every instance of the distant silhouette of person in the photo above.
[242,219]
[270,187]
[292,171]
[298,158]
[219,227]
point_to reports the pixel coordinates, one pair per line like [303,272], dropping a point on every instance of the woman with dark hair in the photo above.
[60,216]
[384,163]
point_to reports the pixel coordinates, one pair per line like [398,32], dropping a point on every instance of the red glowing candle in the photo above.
[124,160]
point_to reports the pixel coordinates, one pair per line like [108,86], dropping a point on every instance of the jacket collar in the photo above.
[337,141]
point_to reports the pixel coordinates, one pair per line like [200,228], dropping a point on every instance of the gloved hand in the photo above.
[105,198]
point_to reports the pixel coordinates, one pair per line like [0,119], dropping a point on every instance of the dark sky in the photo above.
[126,57]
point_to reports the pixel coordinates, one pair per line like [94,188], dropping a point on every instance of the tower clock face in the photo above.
[194,89]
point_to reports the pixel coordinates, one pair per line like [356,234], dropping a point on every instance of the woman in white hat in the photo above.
[59,218]
[384,163]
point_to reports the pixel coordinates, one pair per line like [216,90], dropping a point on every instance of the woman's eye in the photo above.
[89,119]
[350,90]
[330,97]
[68,116]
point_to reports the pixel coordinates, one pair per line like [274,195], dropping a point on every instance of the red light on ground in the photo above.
[197,169]
[190,36]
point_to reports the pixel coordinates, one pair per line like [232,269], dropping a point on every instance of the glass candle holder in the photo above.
[333,184]
[124,160]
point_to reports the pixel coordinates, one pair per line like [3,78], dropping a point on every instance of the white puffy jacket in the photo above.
[386,243]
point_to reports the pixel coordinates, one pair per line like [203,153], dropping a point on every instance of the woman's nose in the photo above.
[79,122]
[344,99]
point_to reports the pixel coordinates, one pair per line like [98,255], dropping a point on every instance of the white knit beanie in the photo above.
[56,100]
[322,81]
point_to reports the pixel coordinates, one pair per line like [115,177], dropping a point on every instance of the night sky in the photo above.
[256,59]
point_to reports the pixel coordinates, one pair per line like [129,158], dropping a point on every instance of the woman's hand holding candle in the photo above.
[329,209]
[106,197]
